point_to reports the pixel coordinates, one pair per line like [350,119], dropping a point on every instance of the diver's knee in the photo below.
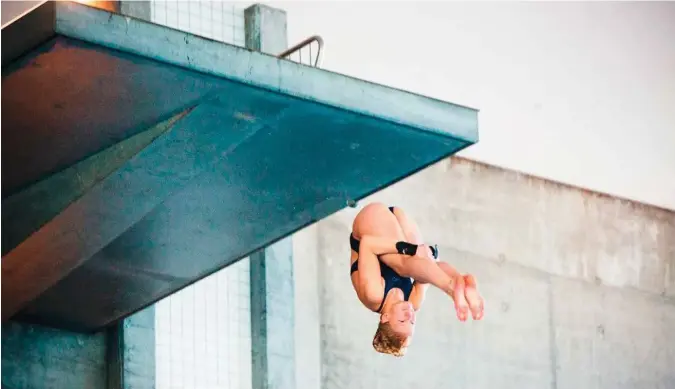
[376,205]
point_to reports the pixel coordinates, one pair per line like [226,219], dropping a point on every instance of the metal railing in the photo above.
[297,50]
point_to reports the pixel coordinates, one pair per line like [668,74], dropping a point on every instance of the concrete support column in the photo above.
[272,297]
[272,317]
[266,29]
[131,352]
[136,9]
[307,280]
[131,343]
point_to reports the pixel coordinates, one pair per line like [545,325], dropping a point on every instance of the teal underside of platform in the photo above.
[267,147]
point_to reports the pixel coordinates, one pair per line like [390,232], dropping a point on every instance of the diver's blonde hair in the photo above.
[387,341]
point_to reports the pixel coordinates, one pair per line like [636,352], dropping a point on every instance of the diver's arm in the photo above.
[379,245]
[418,294]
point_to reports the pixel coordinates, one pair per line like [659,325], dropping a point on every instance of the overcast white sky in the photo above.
[582,93]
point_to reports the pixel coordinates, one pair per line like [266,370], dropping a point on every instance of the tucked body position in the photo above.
[391,270]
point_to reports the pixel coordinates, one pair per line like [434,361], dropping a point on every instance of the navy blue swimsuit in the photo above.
[391,278]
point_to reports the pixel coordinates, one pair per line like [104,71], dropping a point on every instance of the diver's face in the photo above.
[401,318]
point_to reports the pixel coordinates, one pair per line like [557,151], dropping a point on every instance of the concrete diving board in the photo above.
[138,159]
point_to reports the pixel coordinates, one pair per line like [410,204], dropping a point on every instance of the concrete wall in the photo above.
[34,357]
[580,289]
[138,358]
[122,357]
[307,286]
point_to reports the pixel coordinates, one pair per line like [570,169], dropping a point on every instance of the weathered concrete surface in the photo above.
[35,357]
[45,358]
[137,9]
[612,338]
[306,263]
[266,28]
[273,316]
[138,366]
[579,288]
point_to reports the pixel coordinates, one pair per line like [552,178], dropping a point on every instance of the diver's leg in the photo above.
[413,234]
[410,229]
[377,229]
[379,245]
[466,295]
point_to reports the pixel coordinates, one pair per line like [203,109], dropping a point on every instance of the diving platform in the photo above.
[138,159]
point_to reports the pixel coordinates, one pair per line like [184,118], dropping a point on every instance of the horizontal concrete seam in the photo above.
[657,297]
[560,184]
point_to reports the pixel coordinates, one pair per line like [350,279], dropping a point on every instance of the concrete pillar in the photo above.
[36,357]
[272,307]
[307,279]
[272,317]
[115,357]
[266,29]
[136,9]
[131,352]
[131,343]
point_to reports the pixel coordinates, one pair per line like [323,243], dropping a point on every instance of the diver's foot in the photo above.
[459,295]
[473,298]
